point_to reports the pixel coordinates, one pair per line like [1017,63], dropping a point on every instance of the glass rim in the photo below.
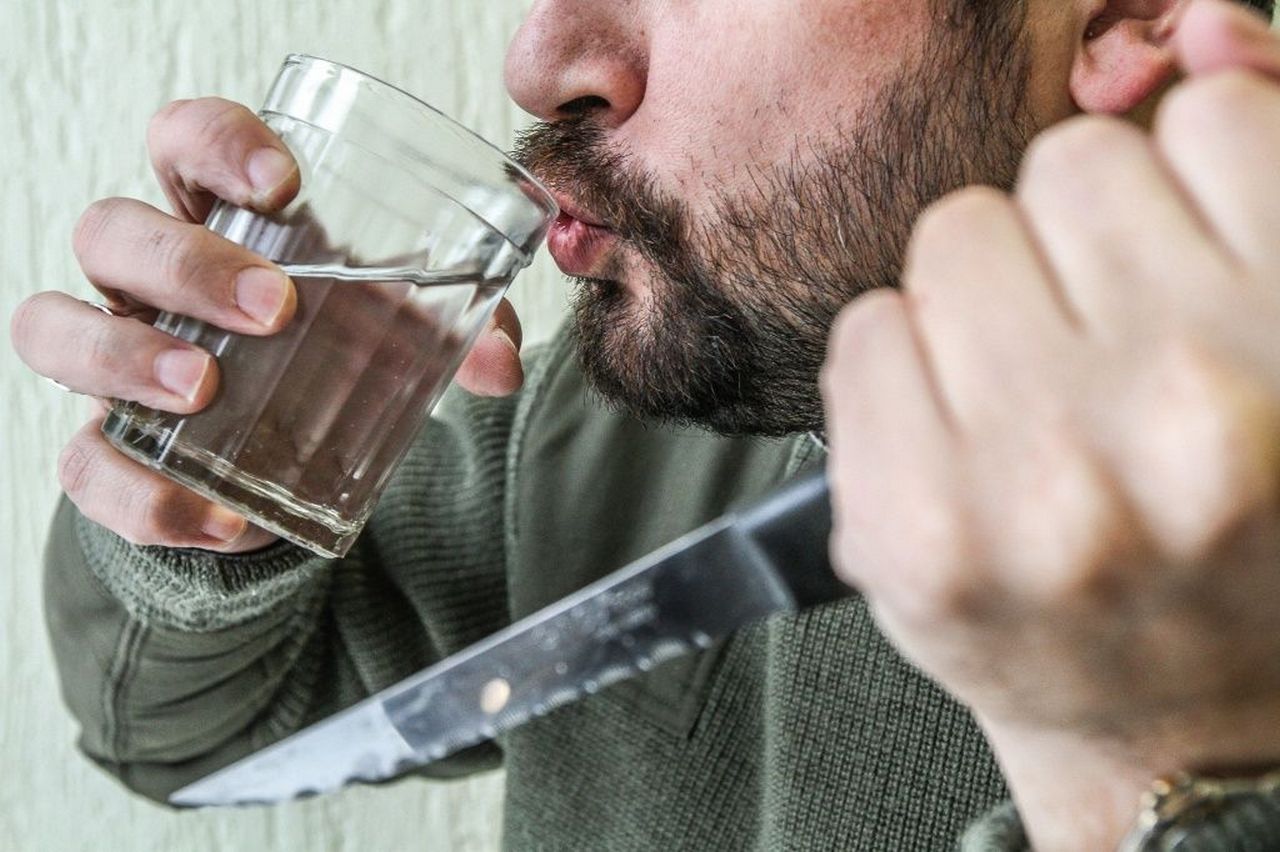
[543,191]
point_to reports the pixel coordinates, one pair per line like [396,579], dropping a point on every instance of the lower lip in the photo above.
[576,246]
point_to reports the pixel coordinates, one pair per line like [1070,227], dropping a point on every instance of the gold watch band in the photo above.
[1179,807]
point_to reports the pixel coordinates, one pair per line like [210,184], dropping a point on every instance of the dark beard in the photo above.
[733,333]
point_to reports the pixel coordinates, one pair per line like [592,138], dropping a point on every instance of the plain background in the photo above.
[79,80]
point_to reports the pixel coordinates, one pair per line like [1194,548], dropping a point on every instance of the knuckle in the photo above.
[1219,100]
[926,568]
[76,468]
[942,567]
[89,231]
[858,322]
[953,216]
[1065,542]
[224,122]
[949,227]
[852,340]
[163,118]
[24,325]
[1058,153]
[149,513]
[181,254]
[975,201]
[101,348]
[1220,450]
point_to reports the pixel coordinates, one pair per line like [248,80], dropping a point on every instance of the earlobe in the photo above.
[1124,57]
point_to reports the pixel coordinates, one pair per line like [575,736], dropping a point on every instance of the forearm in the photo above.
[177,662]
[162,703]
[165,662]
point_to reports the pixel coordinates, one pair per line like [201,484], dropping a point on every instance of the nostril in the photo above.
[582,106]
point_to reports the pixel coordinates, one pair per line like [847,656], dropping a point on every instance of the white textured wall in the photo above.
[78,81]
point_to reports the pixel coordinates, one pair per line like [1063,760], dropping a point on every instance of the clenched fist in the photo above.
[1056,452]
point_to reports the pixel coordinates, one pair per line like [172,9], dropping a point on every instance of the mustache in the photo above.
[572,156]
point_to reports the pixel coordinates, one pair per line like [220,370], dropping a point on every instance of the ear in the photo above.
[1124,56]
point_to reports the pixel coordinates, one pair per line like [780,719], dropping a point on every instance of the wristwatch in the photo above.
[1199,813]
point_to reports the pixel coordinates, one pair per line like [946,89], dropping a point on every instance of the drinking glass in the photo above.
[406,233]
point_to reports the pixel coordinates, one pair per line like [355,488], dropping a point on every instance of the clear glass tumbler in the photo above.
[406,234]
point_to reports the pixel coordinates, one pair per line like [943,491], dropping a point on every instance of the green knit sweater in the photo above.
[804,732]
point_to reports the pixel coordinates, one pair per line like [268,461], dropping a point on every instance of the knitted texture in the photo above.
[179,661]
[1000,831]
[804,732]
[195,590]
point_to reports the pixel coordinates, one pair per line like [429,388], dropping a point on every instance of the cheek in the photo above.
[1055,33]
[734,85]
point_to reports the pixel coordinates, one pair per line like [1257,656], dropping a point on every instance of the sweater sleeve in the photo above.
[178,662]
[998,830]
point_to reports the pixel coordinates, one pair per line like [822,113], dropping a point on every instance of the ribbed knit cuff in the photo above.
[998,830]
[196,590]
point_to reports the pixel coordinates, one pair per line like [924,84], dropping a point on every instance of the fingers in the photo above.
[1112,222]
[144,507]
[891,458]
[128,247]
[1220,131]
[492,367]
[1199,442]
[1220,135]
[113,357]
[990,315]
[1215,36]
[212,148]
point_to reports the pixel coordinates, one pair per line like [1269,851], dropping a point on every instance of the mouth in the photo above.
[578,241]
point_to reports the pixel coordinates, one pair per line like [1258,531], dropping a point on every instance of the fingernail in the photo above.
[267,169]
[262,293]
[223,524]
[182,371]
[503,336]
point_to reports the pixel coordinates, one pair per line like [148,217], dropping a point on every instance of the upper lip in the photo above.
[569,208]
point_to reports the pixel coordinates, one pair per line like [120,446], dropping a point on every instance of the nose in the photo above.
[576,56]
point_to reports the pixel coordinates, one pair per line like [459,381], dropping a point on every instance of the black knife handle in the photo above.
[791,527]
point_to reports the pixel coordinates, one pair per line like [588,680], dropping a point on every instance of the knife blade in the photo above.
[767,558]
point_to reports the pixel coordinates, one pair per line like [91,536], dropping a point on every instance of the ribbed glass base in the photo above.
[311,526]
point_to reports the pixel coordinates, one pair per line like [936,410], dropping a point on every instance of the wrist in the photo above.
[1072,793]
[1075,791]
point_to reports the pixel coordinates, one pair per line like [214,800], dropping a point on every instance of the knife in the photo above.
[767,558]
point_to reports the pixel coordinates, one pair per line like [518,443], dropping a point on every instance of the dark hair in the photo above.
[1266,7]
[970,7]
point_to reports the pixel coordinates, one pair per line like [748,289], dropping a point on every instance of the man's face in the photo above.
[735,172]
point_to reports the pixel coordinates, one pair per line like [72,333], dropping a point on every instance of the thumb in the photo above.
[1214,35]
[492,367]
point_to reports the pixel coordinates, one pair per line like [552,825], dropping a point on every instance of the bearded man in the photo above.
[1053,406]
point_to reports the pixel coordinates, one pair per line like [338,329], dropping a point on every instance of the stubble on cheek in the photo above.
[784,72]
[721,294]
